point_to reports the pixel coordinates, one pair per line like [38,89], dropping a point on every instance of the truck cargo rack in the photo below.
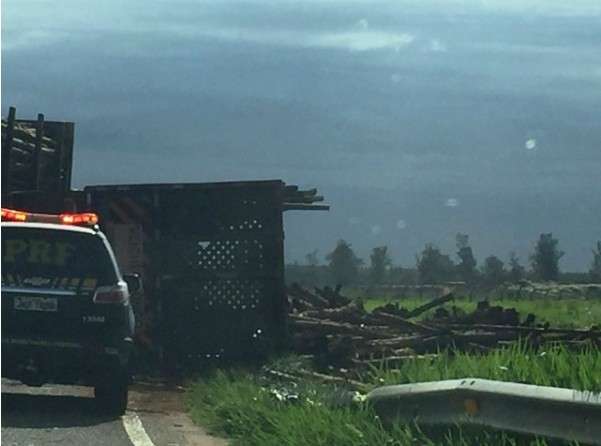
[37,155]
[211,257]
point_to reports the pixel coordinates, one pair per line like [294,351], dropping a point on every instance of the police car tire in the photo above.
[111,396]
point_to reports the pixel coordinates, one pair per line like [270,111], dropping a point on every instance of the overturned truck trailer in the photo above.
[210,255]
[211,258]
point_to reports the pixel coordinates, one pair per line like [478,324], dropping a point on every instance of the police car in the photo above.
[66,315]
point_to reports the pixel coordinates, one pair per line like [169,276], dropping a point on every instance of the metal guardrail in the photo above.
[565,414]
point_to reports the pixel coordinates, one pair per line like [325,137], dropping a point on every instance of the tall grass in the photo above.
[557,367]
[253,411]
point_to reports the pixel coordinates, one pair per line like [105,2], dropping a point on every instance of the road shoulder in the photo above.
[161,410]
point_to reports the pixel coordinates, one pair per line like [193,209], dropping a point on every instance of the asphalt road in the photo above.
[67,416]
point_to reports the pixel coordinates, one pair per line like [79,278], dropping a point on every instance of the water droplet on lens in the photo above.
[530,144]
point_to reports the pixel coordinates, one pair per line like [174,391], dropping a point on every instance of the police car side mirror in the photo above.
[134,283]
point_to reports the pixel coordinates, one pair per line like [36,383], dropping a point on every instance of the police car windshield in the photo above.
[46,258]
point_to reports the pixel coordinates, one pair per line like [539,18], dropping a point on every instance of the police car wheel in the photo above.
[111,396]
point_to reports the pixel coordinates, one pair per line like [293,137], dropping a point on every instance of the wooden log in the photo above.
[281,375]
[297,291]
[433,342]
[308,192]
[23,145]
[334,298]
[345,382]
[394,309]
[300,305]
[28,134]
[402,323]
[391,361]
[351,313]
[448,296]
[304,207]
[297,375]
[342,347]
[398,342]
[325,327]
[297,198]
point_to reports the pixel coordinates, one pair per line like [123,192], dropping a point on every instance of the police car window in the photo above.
[54,259]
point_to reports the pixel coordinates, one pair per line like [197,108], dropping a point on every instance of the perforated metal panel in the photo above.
[228,255]
[214,271]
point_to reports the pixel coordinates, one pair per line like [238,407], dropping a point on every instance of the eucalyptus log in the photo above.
[352,313]
[330,327]
[333,296]
[402,323]
[432,304]
[299,292]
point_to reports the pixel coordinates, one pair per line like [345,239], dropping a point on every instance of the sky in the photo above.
[416,119]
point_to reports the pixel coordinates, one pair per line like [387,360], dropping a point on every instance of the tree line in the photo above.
[432,266]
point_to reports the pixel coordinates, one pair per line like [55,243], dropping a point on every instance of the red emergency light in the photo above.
[10,215]
[77,219]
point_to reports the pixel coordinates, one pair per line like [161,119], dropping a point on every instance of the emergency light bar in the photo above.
[83,219]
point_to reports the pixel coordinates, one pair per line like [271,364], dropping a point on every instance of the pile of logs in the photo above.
[338,329]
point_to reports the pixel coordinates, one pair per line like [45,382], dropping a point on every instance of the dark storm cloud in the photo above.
[394,106]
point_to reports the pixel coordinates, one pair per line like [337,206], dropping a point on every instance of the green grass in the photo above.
[569,313]
[557,367]
[253,411]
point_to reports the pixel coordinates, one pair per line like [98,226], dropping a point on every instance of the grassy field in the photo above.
[569,313]
[253,411]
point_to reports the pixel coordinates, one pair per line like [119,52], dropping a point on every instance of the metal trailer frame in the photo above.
[560,413]
[37,155]
[212,263]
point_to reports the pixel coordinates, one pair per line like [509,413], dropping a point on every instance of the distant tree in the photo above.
[312,258]
[545,259]
[516,271]
[467,263]
[433,266]
[380,263]
[343,263]
[595,271]
[493,272]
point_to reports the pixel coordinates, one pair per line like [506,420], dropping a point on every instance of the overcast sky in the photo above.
[416,119]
